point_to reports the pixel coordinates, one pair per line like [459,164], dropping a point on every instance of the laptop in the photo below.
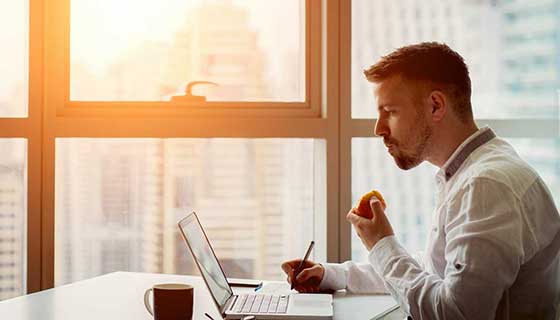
[259,305]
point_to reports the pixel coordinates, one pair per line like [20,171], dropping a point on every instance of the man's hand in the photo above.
[371,230]
[308,280]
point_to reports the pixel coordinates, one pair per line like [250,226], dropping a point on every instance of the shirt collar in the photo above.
[462,152]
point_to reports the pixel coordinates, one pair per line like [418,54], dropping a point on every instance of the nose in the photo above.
[381,128]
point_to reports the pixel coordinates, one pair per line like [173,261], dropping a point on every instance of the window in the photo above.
[118,202]
[149,51]
[515,78]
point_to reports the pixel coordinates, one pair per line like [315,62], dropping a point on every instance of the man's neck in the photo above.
[447,141]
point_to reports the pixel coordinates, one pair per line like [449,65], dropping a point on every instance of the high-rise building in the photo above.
[108,207]
[217,44]
[530,57]
[470,27]
[13,209]
[531,77]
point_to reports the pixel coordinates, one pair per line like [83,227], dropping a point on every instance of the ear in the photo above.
[438,105]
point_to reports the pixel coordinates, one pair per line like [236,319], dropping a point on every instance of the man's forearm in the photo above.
[354,277]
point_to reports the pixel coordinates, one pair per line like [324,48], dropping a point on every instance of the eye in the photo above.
[387,111]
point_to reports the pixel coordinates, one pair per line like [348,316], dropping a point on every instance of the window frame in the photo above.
[310,108]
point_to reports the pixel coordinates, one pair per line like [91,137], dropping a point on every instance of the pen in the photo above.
[208,316]
[259,286]
[298,270]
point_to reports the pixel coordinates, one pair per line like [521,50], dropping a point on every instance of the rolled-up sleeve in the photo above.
[483,253]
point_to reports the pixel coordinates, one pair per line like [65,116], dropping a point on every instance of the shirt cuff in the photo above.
[334,277]
[383,252]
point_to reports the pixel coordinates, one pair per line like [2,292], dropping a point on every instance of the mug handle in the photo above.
[147,301]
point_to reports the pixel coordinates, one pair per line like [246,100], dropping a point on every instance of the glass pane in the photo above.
[13,217]
[410,195]
[130,50]
[14,55]
[118,202]
[511,48]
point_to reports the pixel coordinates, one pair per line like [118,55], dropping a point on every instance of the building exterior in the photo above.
[108,207]
[217,45]
[13,209]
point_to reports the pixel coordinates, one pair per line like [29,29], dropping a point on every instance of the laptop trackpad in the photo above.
[310,304]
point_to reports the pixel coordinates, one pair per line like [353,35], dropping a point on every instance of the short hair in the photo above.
[433,62]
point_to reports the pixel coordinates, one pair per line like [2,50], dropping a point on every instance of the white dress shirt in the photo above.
[492,253]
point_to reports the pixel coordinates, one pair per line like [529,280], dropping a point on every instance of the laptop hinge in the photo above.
[231,302]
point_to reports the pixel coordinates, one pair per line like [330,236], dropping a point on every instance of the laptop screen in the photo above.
[205,258]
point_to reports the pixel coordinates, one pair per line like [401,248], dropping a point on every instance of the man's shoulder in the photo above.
[497,161]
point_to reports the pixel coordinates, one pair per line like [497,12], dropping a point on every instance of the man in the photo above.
[493,251]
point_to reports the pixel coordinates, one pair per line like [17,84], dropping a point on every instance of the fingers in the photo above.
[288,266]
[354,218]
[308,280]
[307,289]
[376,199]
[311,271]
[307,274]
[293,264]
[352,212]
[375,204]
[290,277]
[377,209]
[288,270]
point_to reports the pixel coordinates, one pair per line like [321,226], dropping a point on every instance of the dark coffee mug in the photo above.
[172,301]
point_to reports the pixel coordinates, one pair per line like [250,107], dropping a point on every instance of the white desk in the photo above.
[119,295]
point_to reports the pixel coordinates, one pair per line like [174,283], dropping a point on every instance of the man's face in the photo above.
[403,121]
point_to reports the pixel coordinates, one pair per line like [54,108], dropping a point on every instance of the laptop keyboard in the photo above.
[261,303]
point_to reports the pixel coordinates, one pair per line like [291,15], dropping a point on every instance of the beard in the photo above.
[421,134]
